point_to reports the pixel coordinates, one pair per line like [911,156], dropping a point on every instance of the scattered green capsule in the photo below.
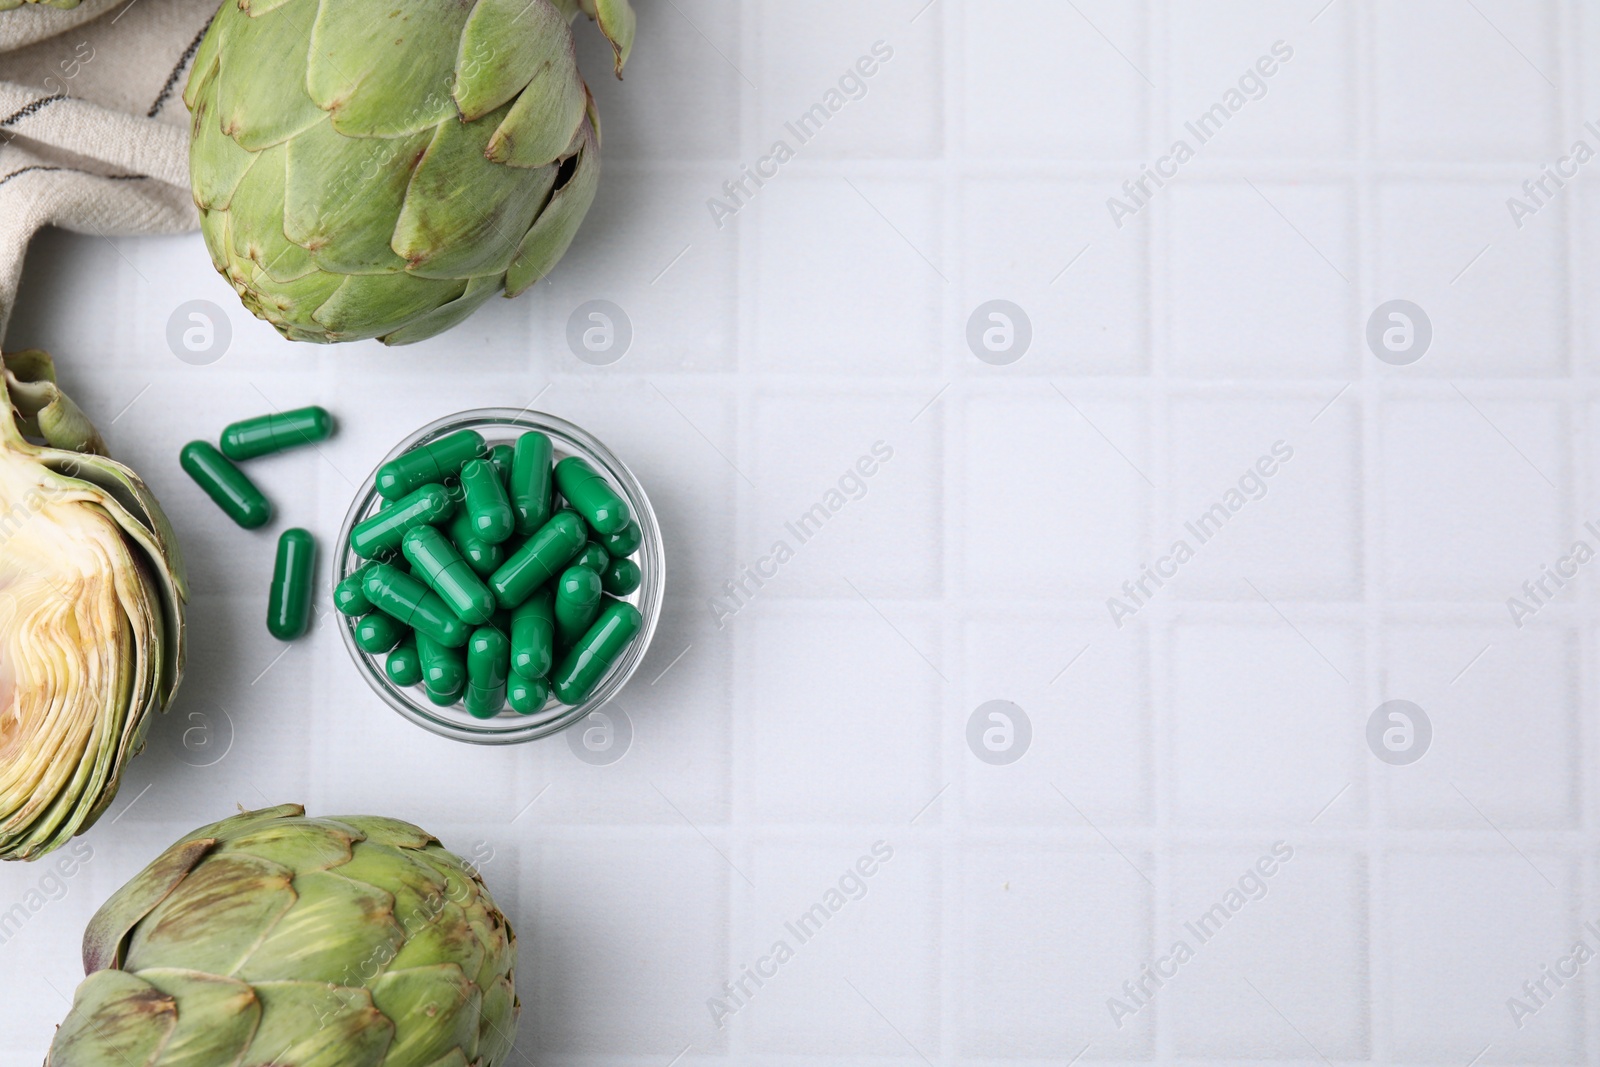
[444,670]
[544,555]
[267,434]
[483,558]
[289,604]
[382,533]
[533,636]
[594,557]
[527,696]
[226,485]
[587,662]
[487,503]
[592,496]
[578,595]
[435,560]
[530,484]
[622,577]
[394,592]
[502,457]
[377,633]
[488,667]
[404,665]
[348,596]
[432,462]
[624,543]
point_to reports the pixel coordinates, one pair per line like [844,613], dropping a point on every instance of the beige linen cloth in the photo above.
[93,131]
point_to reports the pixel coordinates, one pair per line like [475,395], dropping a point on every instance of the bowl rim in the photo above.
[567,437]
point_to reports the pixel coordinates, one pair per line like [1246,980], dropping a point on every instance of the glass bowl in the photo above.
[504,426]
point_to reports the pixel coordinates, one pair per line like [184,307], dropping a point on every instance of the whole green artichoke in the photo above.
[271,938]
[368,169]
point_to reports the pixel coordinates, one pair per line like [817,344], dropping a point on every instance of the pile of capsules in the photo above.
[294,573]
[480,587]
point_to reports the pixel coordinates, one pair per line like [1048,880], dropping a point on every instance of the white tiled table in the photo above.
[830,713]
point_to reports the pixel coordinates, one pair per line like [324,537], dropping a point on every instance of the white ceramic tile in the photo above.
[1453,87]
[888,106]
[1274,961]
[666,900]
[1263,279]
[1472,497]
[1075,467]
[1494,295]
[1505,748]
[849,275]
[842,483]
[1050,247]
[1286,82]
[1263,723]
[1465,931]
[1296,528]
[1088,707]
[1034,982]
[867,963]
[1086,60]
[867,755]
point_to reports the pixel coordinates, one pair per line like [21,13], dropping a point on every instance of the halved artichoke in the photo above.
[8,5]
[92,593]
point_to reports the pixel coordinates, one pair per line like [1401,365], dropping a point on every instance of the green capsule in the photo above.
[382,533]
[533,635]
[544,555]
[488,667]
[226,485]
[527,696]
[487,502]
[483,558]
[394,592]
[577,603]
[267,434]
[502,456]
[377,633]
[625,543]
[594,557]
[444,670]
[404,665]
[622,577]
[592,496]
[289,603]
[530,483]
[348,596]
[429,463]
[435,560]
[587,662]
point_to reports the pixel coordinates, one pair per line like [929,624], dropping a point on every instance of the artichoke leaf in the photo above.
[618,22]
[343,196]
[385,74]
[217,1017]
[546,117]
[435,1009]
[462,219]
[116,1018]
[262,112]
[506,45]
[313,1024]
